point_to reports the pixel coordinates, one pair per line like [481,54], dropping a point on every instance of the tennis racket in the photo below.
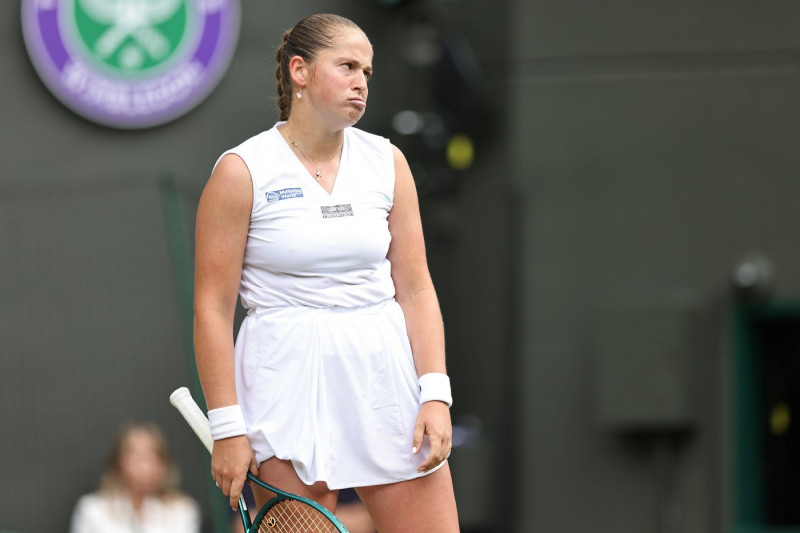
[286,512]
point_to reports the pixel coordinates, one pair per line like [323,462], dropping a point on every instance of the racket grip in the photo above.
[185,404]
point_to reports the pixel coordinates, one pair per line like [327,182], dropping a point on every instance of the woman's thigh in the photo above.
[423,504]
[282,475]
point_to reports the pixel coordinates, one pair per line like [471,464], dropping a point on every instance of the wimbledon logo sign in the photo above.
[130,63]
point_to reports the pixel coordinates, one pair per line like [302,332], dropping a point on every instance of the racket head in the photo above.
[290,513]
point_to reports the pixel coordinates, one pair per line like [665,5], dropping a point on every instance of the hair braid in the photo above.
[284,79]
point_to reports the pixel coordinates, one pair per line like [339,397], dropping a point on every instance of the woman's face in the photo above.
[340,76]
[141,467]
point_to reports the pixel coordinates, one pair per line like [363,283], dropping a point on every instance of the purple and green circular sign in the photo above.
[130,63]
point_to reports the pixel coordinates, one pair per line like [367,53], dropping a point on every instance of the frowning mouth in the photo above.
[358,102]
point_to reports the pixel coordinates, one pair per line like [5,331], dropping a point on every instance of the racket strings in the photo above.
[289,516]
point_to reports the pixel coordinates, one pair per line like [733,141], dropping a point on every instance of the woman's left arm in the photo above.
[415,293]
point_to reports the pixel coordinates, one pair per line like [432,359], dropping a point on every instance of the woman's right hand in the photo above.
[231,459]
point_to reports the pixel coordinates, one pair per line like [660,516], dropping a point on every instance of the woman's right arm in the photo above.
[223,219]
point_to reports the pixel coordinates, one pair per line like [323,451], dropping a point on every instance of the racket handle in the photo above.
[183,402]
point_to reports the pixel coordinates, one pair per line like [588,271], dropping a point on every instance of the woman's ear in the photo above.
[298,70]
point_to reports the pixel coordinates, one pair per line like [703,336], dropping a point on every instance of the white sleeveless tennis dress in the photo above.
[324,371]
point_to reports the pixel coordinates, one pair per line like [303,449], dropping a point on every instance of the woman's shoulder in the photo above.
[180,499]
[94,508]
[360,135]
[177,503]
[372,149]
[255,148]
[256,141]
[92,499]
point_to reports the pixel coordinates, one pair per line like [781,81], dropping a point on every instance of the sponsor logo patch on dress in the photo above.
[336,211]
[284,194]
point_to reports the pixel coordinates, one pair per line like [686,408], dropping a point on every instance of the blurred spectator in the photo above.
[138,489]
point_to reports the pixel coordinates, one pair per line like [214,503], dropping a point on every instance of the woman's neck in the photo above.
[137,500]
[317,142]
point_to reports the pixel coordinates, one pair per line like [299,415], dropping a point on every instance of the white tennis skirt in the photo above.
[332,390]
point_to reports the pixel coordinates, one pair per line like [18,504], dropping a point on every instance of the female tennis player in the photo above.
[337,376]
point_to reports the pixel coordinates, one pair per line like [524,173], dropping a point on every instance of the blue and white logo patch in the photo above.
[284,194]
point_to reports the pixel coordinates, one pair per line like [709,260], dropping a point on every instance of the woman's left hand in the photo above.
[433,421]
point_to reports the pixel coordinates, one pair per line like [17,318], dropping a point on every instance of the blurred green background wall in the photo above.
[629,158]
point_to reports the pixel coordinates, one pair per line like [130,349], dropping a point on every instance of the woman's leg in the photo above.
[425,504]
[282,475]
[353,513]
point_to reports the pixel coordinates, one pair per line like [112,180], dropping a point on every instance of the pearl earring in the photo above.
[299,94]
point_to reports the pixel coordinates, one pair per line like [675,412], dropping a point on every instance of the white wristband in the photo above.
[226,422]
[435,387]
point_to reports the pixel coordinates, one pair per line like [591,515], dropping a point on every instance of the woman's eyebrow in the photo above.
[351,59]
